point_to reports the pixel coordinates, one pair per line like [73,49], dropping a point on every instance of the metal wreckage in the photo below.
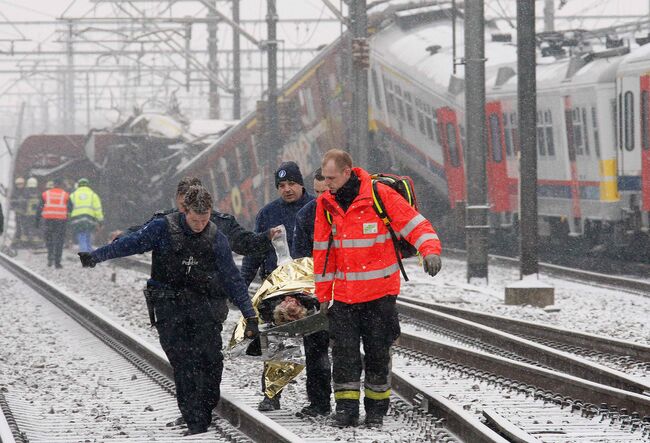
[279,345]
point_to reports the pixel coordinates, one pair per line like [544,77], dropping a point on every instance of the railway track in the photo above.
[630,284]
[242,421]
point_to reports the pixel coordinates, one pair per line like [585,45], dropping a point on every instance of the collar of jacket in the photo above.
[363,198]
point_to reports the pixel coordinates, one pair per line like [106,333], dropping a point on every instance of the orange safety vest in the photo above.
[362,265]
[55,205]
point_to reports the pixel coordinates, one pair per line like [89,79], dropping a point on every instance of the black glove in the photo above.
[252,330]
[87,260]
[432,264]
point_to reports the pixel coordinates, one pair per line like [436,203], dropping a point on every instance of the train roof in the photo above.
[638,60]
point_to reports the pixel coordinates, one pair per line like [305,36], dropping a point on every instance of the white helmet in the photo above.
[32,182]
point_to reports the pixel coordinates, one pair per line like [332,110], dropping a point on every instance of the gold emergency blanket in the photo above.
[294,276]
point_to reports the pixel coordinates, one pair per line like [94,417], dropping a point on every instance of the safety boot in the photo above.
[314,410]
[374,421]
[344,418]
[269,404]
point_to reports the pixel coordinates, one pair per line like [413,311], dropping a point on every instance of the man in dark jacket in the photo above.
[317,360]
[190,256]
[241,241]
[282,211]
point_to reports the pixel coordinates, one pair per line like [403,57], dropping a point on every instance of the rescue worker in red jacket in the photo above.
[360,273]
[53,209]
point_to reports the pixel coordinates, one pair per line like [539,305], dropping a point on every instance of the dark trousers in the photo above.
[54,232]
[319,374]
[375,323]
[190,335]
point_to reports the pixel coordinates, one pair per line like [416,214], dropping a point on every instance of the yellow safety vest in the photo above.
[86,202]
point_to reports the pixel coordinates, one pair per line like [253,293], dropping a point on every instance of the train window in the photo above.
[375,88]
[645,137]
[577,131]
[429,126]
[541,144]
[452,142]
[594,123]
[629,120]
[436,126]
[244,160]
[222,175]
[495,137]
[514,124]
[507,134]
[548,124]
[585,131]
[421,125]
[399,102]
[390,101]
[408,103]
[233,167]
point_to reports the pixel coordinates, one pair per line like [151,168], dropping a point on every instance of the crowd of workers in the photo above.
[356,274]
[43,217]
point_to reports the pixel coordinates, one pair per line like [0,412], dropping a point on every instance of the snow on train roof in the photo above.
[409,50]
[636,61]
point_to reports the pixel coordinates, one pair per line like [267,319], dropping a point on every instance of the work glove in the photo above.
[324,307]
[87,260]
[252,330]
[432,264]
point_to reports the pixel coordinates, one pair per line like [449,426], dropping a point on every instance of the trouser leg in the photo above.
[346,357]
[59,239]
[319,373]
[49,233]
[208,369]
[379,329]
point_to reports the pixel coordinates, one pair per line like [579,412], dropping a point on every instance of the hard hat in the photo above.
[32,182]
[49,184]
[19,181]
[83,182]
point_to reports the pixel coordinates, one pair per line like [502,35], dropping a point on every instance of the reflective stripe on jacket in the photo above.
[362,265]
[55,204]
[86,202]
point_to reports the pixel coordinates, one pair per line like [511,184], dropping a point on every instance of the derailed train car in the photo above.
[592,131]
[129,167]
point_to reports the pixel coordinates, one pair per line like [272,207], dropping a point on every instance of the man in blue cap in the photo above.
[292,196]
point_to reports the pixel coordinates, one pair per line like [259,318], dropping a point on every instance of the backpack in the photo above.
[404,186]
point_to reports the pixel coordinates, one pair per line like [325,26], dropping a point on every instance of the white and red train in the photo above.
[593,130]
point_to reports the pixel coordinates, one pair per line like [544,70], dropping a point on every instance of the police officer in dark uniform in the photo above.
[317,362]
[190,257]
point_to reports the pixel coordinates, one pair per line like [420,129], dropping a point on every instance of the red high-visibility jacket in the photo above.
[55,204]
[362,265]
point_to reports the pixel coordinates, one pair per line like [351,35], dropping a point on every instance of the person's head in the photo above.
[288,310]
[20,183]
[32,183]
[337,168]
[197,206]
[83,182]
[289,182]
[319,182]
[49,184]
[58,182]
[182,188]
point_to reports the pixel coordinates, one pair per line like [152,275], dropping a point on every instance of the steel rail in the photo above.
[528,349]
[625,283]
[549,380]
[249,421]
[594,342]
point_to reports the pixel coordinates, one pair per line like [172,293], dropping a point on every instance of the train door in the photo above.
[497,167]
[629,157]
[573,167]
[453,154]
[645,141]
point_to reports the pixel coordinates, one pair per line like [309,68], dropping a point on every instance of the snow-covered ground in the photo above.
[117,292]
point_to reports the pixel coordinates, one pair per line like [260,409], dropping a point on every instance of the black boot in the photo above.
[269,404]
[374,421]
[314,410]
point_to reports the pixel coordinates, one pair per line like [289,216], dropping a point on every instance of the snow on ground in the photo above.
[117,291]
[580,307]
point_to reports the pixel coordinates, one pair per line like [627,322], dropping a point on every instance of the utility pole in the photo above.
[68,85]
[236,64]
[272,125]
[549,15]
[358,143]
[476,226]
[213,63]
[527,112]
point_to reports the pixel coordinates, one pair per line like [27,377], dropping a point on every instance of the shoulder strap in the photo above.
[380,209]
